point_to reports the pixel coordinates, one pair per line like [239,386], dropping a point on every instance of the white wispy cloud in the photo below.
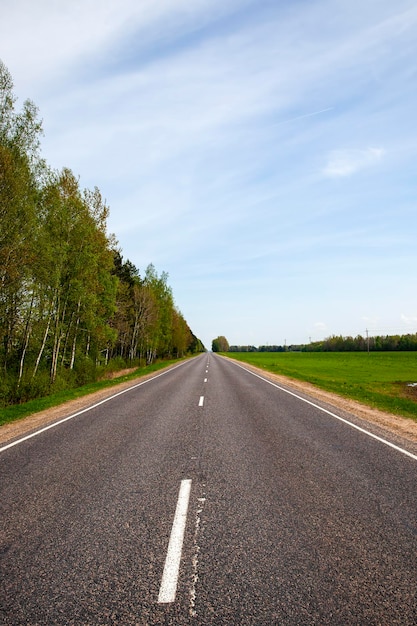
[216,130]
[341,163]
[62,37]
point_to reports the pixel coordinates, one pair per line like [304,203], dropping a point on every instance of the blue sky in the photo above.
[263,153]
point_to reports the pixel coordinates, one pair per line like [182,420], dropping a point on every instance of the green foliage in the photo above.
[69,304]
[57,397]
[379,379]
[220,344]
[338,343]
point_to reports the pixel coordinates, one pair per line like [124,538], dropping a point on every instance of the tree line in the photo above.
[338,343]
[377,343]
[70,305]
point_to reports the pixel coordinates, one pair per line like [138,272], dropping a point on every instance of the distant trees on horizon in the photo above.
[338,343]
[220,344]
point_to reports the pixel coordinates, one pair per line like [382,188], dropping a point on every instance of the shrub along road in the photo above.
[274,511]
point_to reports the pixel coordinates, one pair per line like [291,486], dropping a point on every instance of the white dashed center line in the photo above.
[201,401]
[169,581]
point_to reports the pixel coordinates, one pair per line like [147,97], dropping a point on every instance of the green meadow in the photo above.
[378,379]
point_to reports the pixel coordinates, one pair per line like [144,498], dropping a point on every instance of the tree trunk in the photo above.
[75,336]
[58,336]
[28,330]
[45,337]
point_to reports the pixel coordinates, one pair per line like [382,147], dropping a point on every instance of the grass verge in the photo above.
[18,411]
[380,379]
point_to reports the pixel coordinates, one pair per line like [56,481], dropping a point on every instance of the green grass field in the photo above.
[378,379]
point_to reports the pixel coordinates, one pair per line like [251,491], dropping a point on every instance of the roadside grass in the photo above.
[18,411]
[378,379]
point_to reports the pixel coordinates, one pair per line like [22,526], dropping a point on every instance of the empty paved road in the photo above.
[283,513]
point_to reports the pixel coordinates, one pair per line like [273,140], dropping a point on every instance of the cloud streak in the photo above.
[222,136]
[342,163]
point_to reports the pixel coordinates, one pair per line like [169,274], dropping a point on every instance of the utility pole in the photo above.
[367,339]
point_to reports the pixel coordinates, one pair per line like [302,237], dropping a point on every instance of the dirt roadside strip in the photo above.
[396,424]
[403,427]
[22,427]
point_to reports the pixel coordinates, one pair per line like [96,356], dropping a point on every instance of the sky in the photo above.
[261,152]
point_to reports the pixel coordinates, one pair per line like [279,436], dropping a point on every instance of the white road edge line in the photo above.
[342,419]
[201,401]
[168,589]
[93,406]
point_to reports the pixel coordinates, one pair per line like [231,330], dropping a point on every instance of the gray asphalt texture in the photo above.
[294,517]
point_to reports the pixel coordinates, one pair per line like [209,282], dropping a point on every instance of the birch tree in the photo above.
[19,142]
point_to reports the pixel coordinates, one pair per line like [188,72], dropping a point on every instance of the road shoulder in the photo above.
[26,425]
[395,424]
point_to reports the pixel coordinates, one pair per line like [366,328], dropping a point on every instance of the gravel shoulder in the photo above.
[28,424]
[400,426]
[396,424]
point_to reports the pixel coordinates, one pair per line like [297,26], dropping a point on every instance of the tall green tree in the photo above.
[19,143]
[68,301]
[78,285]
[220,344]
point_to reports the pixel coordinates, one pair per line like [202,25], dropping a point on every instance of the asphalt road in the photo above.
[291,517]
